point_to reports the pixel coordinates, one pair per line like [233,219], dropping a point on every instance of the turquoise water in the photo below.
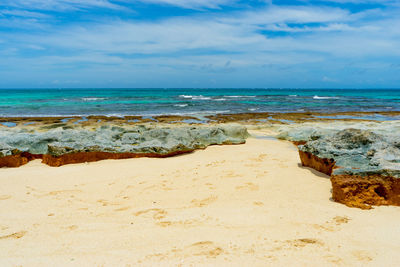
[121,102]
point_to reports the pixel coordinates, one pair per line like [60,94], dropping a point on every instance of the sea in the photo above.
[179,101]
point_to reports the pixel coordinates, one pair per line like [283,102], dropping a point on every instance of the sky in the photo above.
[199,44]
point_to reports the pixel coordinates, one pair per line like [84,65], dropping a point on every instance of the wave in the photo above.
[181,105]
[93,98]
[219,99]
[240,96]
[185,96]
[325,97]
[195,97]
[293,95]
[200,97]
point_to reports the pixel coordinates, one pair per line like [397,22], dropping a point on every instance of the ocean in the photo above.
[148,102]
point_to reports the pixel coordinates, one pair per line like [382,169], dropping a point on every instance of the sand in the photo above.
[243,205]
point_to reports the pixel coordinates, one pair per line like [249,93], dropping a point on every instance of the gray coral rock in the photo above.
[363,149]
[132,139]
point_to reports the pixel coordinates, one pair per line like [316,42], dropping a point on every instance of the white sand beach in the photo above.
[241,205]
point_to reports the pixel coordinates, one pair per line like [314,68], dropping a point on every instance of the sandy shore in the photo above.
[237,205]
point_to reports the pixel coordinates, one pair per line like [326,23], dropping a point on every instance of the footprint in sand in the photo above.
[123,209]
[341,220]
[231,174]
[61,192]
[203,202]
[260,158]
[362,255]
[185,223]
[58,194]
[215,163]
[204,248]
[258,203]
[297,243]
[156,214]
[210,186]
[105,202]
[333,259]
[332,225]
[302,242]
[16,235]
[248,186]
[4,197]
[72,227]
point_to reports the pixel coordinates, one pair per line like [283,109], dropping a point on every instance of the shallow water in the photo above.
[121,102]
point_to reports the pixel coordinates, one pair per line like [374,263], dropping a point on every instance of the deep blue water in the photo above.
[120,102]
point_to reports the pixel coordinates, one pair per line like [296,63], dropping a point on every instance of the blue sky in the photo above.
[200,43]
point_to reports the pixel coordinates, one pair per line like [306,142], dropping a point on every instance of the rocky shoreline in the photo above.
[363,160]
[76,144]
[246,118]
[361,156]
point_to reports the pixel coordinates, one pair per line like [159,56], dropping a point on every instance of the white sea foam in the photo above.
[185,96]
[93,98]
[293,95]
[325,97]
[252,109]
[219,99]
[240,96]
[200,97]
[195,97]
[181,105]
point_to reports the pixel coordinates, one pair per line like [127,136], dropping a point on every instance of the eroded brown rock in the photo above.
[362,192]
[13,161]
[81,157]
[17,160]
[298,143]
[353,190]
[322,165]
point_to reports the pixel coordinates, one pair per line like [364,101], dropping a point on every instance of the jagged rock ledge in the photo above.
[364,164]
[66,145]
[356,190]
[324,165]
[251,118]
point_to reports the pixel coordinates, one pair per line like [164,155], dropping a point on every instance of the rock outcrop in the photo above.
[65,145]
[364,164]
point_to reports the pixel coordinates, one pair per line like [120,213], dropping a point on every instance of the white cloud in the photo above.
[62,5]
[363,1]
[23,13]
[331,27]
[238,33]
[57,5]
[191,4]
[317,36]
[289,14]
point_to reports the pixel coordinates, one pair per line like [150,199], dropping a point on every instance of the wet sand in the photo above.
[240,205]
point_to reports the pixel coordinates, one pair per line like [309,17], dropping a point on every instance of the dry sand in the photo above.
[245,205]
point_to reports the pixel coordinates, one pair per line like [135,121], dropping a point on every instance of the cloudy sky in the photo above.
[200,43]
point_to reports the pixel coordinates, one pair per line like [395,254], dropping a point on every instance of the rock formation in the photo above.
[364,164]
[67,144]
